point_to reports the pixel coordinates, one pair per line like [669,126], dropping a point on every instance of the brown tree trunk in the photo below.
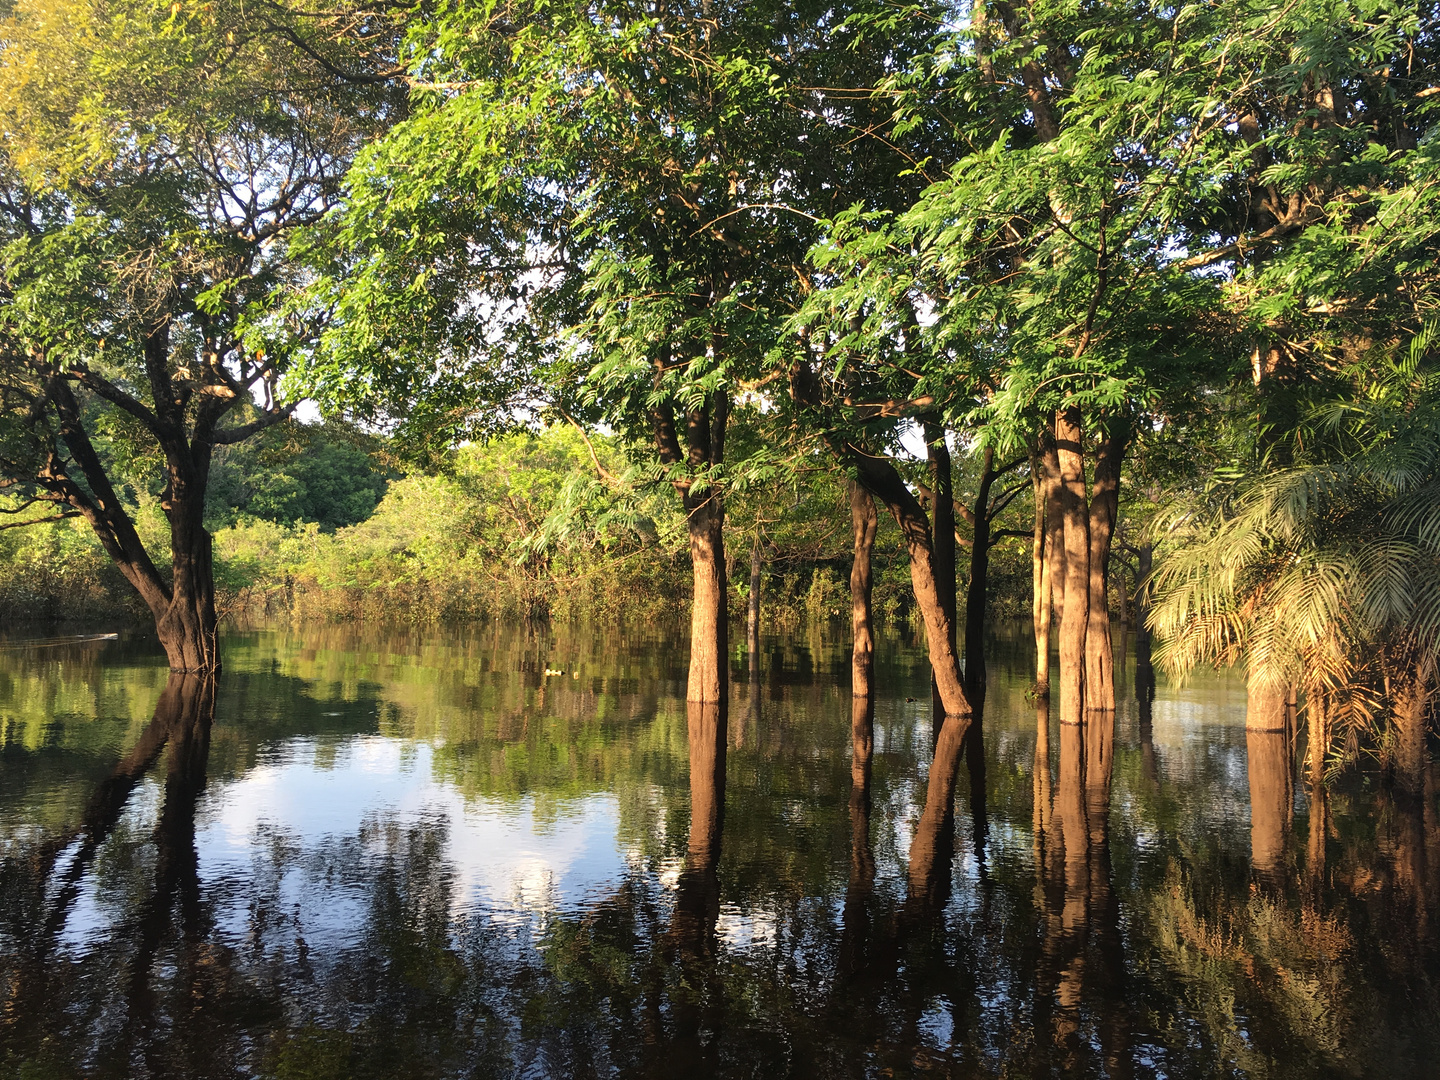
[188,628]
[882,480]
[705,425]
[184,607]
[1412,698]
[864,523]
[1268,751]
[942,532]
[1104,508]
[1054,534]
[1040,604]
[1070,452]
[709,617]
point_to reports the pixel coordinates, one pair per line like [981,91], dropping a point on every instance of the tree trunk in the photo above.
[709,617]
[705,426]
[1040,603]
[1267,751]
[1144,669]
[1412,698]
[188,628]
[942,532]
[882,480]
[976,596]
[1054,534]
[752,611]
[864,523]
[1070,452]
[1104,508]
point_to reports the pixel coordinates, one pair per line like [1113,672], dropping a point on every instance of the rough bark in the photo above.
[864,522]
[1265,706]
[1412,699]
[1104,509]
[1267,752]
[1039,583]
[1074,622]
[709,618]
[942,532]
[183,607]
[709,679]
[1054,533]
[882,480]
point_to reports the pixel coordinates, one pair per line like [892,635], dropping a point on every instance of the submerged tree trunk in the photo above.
[942,533]
[1040,586]
[1144,669]
[1267,751]
[864,522]
[184,607]
[752,610]
[1412,699]
[1075,619]
[1104,509]
[882,480]
[709,618]
[705,425]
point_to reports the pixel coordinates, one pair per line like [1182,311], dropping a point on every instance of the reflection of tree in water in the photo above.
[360,955]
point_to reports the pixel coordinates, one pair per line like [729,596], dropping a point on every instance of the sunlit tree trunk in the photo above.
[1268,768]
[705,424]
[1075,617]
[1412,699]
[1104,509]
[883,482]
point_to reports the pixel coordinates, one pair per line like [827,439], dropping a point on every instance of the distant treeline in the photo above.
[319,522]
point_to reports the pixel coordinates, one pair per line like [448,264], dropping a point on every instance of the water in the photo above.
[398,855]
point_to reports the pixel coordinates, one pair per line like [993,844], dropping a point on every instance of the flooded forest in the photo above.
[717,539]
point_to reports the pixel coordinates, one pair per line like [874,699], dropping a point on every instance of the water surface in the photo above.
[499,853]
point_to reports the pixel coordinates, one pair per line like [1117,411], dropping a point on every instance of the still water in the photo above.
[511,852]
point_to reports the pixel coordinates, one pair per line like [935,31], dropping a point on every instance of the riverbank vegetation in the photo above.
[631,310]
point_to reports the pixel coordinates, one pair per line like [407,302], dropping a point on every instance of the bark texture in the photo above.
[1041,556]
[1073,512]
[881,479]
[1104,508]
[705,423]
[1412,700]
[1268,754]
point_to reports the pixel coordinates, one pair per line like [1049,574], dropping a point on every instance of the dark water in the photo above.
[393,855]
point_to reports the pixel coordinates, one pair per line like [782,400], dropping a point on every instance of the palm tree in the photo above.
[1323,578]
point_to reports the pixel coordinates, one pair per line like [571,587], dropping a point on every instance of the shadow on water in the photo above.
[519,852]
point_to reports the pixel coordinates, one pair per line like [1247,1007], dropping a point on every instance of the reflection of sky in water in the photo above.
[265,829]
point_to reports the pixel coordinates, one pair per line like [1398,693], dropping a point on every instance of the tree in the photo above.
[156,160]
[602,210]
